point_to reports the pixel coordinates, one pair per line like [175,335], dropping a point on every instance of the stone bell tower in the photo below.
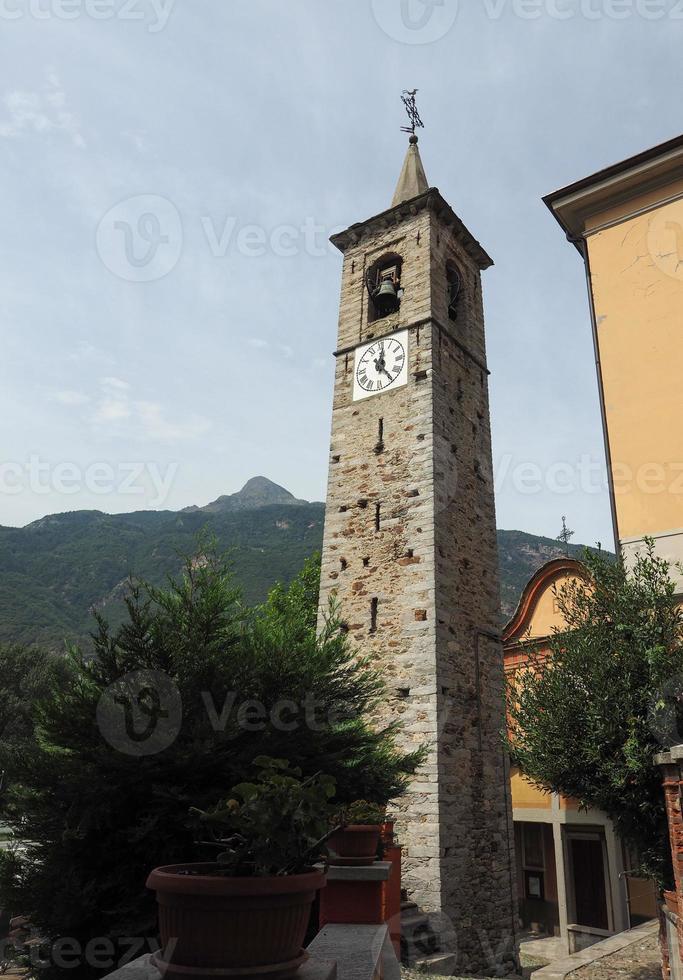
[410,549]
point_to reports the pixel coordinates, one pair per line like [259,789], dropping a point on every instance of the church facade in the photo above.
[575,877]
[410,549]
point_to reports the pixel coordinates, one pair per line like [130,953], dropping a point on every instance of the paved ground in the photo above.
[545,949]
[640,961]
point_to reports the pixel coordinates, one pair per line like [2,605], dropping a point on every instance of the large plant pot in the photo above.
[355,845]
[214,926]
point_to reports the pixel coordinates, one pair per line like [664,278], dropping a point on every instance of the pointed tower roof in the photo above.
[413,179]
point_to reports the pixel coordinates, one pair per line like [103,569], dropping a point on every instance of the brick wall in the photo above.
[671,763]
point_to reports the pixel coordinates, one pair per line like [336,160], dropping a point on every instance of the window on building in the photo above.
[454,290]
[533,861]
[532,842]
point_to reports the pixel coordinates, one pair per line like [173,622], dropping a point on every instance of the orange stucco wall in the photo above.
[541,619]
[546,616]
[526,795]
[637,283]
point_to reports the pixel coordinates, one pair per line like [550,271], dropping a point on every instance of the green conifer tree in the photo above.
[97,809]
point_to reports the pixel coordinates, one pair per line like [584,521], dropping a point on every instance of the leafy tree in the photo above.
[222,686]
[588,720]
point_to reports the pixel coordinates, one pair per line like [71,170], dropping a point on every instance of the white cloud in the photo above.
[141,419]
[40,112]
[260,344]
[114,401]
[112,410]
[155,426]
[138,138]
[88,352]
[114,383]
[70,398]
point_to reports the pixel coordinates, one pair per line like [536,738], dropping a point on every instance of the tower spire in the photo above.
[413,180]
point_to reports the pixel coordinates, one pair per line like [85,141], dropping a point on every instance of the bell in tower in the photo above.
[386,293]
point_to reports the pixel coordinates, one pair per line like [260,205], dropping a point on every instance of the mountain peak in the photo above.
[263,490]
[257,492]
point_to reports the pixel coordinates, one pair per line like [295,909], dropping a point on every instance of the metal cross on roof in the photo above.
[408,99]
[565,535]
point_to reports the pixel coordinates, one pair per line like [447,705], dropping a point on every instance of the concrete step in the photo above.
[413,921]
[409,908]
[441,964]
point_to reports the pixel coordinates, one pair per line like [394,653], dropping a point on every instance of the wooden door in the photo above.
[588,878]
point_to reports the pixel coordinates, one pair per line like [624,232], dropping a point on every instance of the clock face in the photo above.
[380,365]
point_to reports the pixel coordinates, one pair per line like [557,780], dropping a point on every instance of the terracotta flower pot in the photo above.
[355,845]
[214,926]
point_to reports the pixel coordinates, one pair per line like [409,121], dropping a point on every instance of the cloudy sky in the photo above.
[171,171]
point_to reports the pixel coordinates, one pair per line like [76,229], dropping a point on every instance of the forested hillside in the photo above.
[58,569]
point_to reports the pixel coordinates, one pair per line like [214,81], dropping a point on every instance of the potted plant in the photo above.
[356,838]
[246,912]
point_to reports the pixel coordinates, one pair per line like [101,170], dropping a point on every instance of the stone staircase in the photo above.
[420,944]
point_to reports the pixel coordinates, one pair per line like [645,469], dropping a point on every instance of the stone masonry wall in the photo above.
[428,556]
[475,811]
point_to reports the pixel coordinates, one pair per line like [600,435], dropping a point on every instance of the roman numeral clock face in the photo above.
[381,365]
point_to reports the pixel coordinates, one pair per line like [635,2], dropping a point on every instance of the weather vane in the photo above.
[566,535]
[408,99]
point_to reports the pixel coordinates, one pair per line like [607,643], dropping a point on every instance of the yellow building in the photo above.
[573,875]
[627,222]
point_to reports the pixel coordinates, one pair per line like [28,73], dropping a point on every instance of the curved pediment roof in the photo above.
[536,593]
